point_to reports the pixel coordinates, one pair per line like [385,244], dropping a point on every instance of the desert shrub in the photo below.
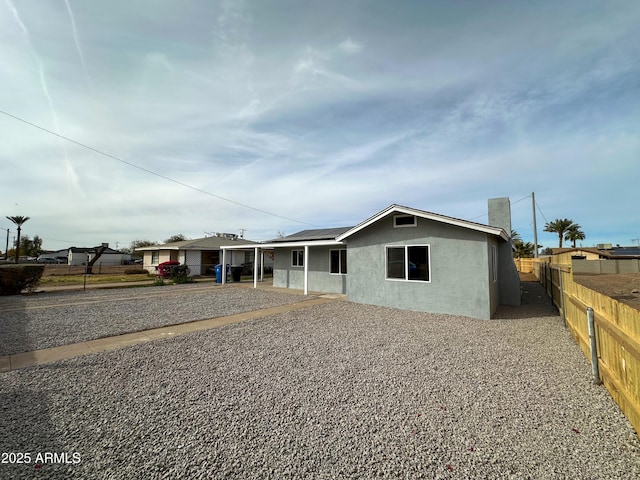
[135,271]
[180,274]
[16,278]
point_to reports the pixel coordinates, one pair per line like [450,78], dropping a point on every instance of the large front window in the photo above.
[155,258]
[408,262]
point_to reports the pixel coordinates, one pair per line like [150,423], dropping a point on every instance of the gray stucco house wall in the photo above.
[410,259]
[460,269]
[287,276]
[509,279]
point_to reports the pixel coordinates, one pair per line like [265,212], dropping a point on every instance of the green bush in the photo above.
[180,274]
[135,271]
[16,278]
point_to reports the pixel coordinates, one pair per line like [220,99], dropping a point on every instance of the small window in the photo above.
[409,262]
[494,263]
[297,258]
[405,221]
[155,257]
[338,261]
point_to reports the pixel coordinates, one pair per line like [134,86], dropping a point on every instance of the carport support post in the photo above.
[306,269]
[255,269]
[595,370]
[223,267]
[261,265]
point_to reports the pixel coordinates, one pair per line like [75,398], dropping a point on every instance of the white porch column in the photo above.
[306,269]
[261,265]
[255,267]
[224,266]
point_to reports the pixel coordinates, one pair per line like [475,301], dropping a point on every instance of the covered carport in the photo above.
[259,250]
[257,267]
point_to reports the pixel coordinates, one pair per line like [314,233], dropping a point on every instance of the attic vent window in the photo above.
[404,221]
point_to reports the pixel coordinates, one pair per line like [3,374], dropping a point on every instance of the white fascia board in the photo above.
[152,248]
[310,243]
[429,216]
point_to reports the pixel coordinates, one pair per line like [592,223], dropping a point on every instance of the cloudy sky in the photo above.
[280,115]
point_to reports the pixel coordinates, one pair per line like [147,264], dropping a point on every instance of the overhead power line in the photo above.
[151,172]
[540,210]
[511,203]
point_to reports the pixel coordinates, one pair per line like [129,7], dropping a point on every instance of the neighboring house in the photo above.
[598,260]
[406,258]
[80,256]
[201,255]
[580,253]
[602,252]
[54,256]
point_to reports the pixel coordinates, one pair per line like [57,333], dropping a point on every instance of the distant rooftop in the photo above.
[313,234]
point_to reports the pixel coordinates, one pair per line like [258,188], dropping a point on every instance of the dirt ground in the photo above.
[624,287]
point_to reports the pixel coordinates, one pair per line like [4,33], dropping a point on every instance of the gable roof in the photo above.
[615,252]
[108,251]
[497,231]
[206,243]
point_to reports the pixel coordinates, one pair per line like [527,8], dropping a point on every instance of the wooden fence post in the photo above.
[595,370]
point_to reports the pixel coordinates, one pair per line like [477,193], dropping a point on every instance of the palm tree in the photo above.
[574,233]
[18,220]
[523,249]
[559,226]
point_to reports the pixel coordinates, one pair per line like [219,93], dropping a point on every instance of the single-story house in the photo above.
[201,255]
[600,252]
[596,260]
[406,258]
[80,256]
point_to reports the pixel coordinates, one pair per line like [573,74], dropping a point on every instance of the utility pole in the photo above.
[535,228]
[6,249]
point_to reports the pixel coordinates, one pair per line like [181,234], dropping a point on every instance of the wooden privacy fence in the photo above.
[617,330]
[524,265]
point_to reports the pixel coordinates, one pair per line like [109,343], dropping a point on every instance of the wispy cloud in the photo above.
[71,173]
[77,44]
[312,70]
[349,46]
[324,112]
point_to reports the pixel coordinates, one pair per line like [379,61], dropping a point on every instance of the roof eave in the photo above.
[429,216]
[301,243]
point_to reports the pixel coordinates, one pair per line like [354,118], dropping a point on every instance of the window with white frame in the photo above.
[155,257]
[297,258]
[494,263]
[404,221]
[338,261]
[408,262]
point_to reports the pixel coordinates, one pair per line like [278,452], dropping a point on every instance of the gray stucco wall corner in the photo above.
[510,292]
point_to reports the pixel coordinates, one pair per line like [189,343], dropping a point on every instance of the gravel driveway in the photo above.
[33,322]
[338,390]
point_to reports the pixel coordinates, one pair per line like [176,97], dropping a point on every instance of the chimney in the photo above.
[500,213]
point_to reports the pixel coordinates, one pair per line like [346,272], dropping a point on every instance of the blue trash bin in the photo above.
[218,269]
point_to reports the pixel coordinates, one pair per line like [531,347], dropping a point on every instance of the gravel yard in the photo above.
[33,322]
[338,390]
